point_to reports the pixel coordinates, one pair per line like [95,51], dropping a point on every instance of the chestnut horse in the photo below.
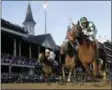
[86,51]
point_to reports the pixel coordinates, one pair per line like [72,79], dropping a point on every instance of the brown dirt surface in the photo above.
[55,86]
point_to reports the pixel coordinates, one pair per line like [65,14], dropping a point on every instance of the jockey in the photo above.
[50,56]
[64,45]
[89,29]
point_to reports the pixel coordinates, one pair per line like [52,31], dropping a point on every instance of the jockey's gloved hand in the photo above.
[84,31]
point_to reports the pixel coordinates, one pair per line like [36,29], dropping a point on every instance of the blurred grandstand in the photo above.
[20,49]
[19,53]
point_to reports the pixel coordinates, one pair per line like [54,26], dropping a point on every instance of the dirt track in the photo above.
[54,86]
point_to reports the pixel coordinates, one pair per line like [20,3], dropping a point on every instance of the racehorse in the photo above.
[86,51]
[70,56]
[47,67]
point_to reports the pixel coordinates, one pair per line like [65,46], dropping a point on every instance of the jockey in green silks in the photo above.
[89,29]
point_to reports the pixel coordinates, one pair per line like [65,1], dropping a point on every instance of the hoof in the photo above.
[48,83]
[68,80]
[61,83]
[99,76]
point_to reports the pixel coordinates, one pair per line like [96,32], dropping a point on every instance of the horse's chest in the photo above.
[85,54]
[69,60]
[47,69]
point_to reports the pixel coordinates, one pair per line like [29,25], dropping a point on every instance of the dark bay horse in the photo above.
[86,52]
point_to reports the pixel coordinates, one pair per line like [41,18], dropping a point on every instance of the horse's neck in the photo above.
[80,40]
[83,42]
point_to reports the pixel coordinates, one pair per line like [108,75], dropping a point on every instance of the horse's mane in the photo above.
[77,30]
[82,38]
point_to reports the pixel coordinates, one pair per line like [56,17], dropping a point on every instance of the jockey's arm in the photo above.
[52,56]
[94,31]
[91,30]
[64,45]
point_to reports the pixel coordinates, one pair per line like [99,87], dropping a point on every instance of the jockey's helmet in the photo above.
[83,20]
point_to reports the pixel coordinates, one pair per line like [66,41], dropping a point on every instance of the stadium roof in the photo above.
[44,40]
[12,26]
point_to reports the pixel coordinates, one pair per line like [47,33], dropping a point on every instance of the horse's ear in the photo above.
[78,23]
[73,24]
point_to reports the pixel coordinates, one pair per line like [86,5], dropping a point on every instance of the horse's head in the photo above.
[75,32]
[47,53]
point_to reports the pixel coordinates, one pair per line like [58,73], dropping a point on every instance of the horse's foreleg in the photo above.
[88,70]
[86,66]
[46,78]
[63,73]
[69,76]
[95,68]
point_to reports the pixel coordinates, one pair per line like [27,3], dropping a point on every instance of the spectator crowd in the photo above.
[6,58]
